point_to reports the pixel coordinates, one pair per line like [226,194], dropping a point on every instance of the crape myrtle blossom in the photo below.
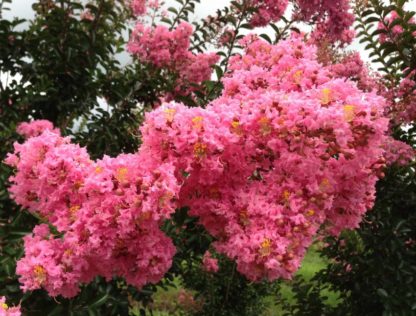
[333,19]
[288,151]
[403,100]
[6,310]
[34,128]
[108,213]
[393,32]
[139,6]
[210,264]
[352,67]
[170,50]
[268,11]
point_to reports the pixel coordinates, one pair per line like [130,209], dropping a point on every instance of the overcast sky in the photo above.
[23,9]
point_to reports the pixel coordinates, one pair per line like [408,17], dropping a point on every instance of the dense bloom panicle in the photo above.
[6,310]
[403,100]
[291,149]
[393,31]
[138,7]
[159,45]
[34,128]
[398,152]
[108,211]
[333,18]
[268,11]
[169,50]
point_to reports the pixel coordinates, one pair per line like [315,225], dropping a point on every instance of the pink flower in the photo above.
[394,33]
[6,310]
[138,7]
[333,18]
[268,11]
[170,50]
[210,263]
[35,128]
[290,148]
[226,37]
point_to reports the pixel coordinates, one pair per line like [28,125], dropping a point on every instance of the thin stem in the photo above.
[230,49]
[177,18]
[227,292]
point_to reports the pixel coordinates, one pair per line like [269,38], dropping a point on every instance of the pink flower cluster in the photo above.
[398,152]
[210,264]
[6,310]
[268,11]
[405,109]
[226,37]
[288,150]
[169,50]
[34,128]
[402,99]
[353,68]
[108,213]
[333,18]
[138,7]
[285,150]
[393,33]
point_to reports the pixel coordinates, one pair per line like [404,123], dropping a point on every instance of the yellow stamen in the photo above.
[297,76]
[236,128]
[326,96]
[286,195]
[165,198]
[143,217]
[200,150]
[265,127]
[310,212]
[40,274]
[98,169]
[4,306]
[265,247]
[197,122]
[78,185]
[73,210]
[349,112]
[244,218]
[121,174]
[170,115]
[325,185]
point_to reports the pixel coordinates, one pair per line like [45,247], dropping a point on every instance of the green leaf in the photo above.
[382,293]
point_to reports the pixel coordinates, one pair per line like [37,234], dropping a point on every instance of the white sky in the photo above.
[23,9]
